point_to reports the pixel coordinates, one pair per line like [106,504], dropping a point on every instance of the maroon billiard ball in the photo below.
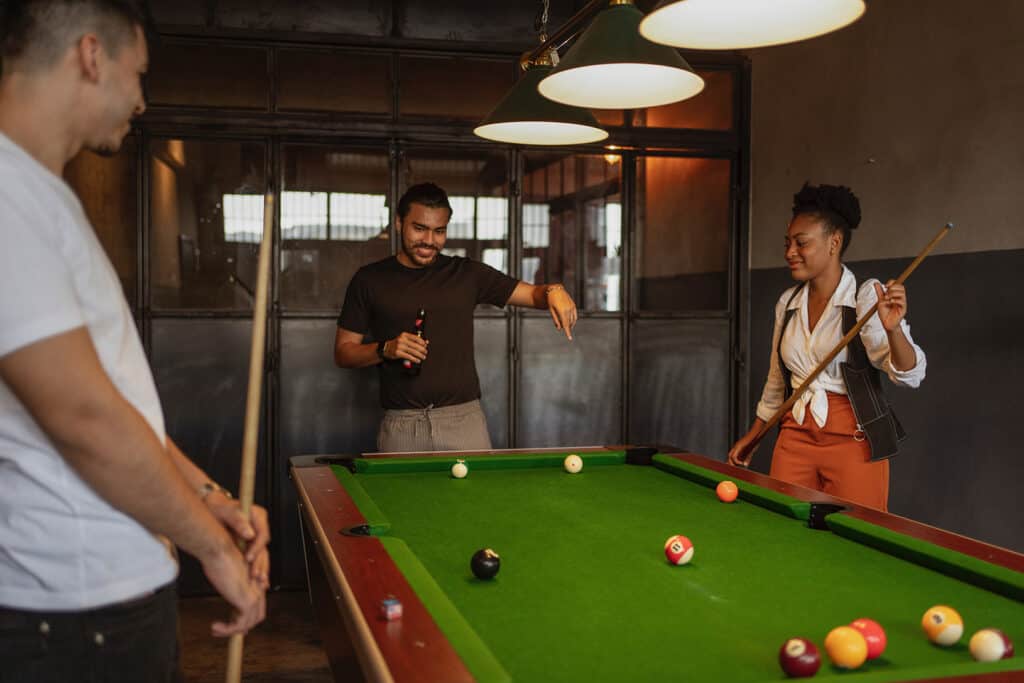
[799,658]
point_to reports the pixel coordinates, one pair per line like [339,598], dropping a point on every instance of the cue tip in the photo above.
[950,225]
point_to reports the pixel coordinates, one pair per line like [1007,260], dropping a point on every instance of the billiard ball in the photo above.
[873,633]
[678,549]
[799,658]
[990,645]
[846,647]
[573,464]
[942,625]
[727,491]
[485,564]
[459,469]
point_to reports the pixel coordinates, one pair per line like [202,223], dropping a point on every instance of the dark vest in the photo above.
[875,418]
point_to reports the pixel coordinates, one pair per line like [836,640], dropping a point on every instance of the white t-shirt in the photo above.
[62,547]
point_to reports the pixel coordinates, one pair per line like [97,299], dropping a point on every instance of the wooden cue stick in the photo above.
[252,405]
[843,342]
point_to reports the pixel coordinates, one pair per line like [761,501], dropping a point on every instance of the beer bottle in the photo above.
[408,366]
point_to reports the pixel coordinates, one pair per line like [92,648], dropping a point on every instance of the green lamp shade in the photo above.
[526,118]
[736,24]
[611,66]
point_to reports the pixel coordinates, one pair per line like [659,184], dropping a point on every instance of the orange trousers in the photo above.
[830,458]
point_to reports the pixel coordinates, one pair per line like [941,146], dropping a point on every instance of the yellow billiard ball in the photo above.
[846,647]
[942,625]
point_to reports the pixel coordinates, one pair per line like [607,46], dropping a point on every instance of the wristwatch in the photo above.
[209,487]
[380,350]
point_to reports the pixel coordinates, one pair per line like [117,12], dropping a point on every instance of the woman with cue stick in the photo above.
[829,347]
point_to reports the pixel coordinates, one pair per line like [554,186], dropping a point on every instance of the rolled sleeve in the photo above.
[876,342]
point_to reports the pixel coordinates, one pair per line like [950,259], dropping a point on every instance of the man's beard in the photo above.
[411,253]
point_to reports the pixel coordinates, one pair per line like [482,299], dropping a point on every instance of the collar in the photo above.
[845,294]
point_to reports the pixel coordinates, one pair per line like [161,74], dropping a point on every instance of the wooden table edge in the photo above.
[372,635]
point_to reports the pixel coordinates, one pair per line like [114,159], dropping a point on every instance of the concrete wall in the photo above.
[918,107]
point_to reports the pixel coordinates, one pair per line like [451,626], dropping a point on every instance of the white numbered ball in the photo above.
[678,549]
[990,645]
[459,470]
[573,464]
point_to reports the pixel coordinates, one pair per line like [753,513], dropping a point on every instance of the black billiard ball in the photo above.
[485,563]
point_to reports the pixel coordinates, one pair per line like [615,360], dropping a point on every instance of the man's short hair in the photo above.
[427,194]
[36,33]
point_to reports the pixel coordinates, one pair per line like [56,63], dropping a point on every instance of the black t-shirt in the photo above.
[382,301]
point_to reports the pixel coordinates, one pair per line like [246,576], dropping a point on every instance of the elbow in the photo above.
[342,358]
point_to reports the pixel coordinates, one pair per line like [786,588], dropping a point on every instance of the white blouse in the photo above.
[803,349]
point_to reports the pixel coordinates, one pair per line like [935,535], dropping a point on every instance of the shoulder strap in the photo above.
[786,374]
[856,353]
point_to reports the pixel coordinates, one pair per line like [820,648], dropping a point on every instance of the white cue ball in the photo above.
[990,645]
[573,464]
[459,469]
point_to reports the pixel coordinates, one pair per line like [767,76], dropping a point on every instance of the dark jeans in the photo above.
[130,642]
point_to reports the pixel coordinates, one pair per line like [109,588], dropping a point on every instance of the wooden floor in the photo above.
[284,649]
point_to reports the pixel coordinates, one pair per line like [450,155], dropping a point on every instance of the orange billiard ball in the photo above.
[727,491]
[846,647]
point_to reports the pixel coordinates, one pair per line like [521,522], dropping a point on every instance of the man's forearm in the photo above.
[351,355]
[135,474]
[193,475]
[107,441]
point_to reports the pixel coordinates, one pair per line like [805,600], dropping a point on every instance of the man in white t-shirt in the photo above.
[90,485]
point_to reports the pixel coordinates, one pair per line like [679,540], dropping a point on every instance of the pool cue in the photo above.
[250,438]
[847,338]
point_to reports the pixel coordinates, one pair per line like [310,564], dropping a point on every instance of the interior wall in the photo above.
[917,109]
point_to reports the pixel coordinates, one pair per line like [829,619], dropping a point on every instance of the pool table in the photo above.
[585,593]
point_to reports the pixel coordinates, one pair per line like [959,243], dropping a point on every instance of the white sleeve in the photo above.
[876,341]
[37,293]
[774,392]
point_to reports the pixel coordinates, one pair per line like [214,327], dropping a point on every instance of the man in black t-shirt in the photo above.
[439,408]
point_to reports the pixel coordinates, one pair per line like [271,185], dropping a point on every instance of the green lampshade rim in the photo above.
[525,103]
[614,37]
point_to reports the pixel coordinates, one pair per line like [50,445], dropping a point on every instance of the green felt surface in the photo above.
[584,592]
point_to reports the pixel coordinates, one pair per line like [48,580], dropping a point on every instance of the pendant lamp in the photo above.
[523,117]
[737,24]
[611,66]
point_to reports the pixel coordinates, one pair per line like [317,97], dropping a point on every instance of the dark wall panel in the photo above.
[322,409]
[570,392]
[201,368]
[961,467]
[679,384]
[492,361]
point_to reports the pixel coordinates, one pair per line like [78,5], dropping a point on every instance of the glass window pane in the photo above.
[572,226]
[682,247]
[477,187]
[334,219]
[206,221]
[196,75]
[108,190]
[711,109]
[452,87]
[312,80]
